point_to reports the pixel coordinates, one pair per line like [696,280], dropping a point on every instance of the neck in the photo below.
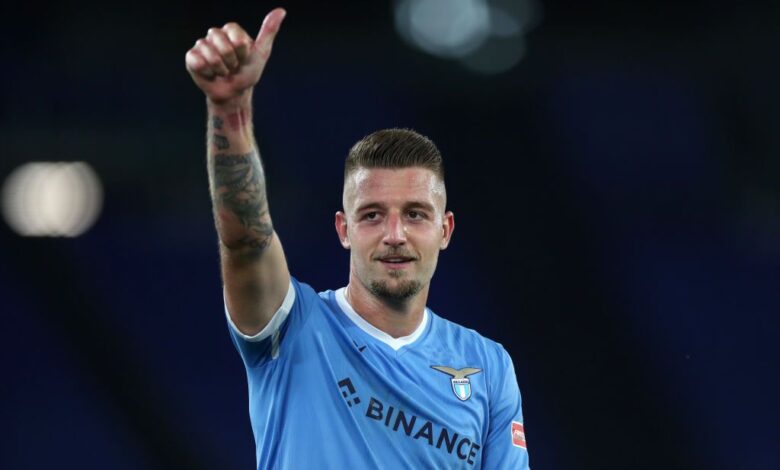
[394,318]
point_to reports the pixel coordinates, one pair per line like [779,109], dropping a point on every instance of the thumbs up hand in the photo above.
[227,63]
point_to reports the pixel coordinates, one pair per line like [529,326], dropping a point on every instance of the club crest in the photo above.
[461,385]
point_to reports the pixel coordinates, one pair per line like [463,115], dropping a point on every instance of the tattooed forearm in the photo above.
[240,201]
[221,142]
[237,182]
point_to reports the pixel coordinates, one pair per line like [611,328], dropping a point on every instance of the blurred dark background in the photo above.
[616,195]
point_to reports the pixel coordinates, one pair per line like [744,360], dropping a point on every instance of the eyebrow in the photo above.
[370,205]
[420,205]
[409,205]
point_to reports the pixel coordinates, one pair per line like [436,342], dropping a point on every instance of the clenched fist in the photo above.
[227,63]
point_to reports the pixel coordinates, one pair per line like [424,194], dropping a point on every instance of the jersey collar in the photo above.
[360,322]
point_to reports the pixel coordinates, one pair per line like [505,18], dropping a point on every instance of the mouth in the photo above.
[396,262]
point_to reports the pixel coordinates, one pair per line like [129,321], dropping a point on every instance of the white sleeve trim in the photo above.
[273,325]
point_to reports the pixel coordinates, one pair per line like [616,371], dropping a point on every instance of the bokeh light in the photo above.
[484,36]
[52,199]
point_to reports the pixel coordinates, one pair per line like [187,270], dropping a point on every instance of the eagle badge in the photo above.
[461,385]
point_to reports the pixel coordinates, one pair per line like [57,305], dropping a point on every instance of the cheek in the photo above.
[361,239]
[366,233]
[427,236]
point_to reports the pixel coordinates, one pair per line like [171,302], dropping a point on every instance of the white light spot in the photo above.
[445,28]
[52,199]
[486,36]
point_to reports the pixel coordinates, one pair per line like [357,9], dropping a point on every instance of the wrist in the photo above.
[242,102]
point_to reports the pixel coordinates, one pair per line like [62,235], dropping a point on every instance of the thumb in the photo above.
[265,38]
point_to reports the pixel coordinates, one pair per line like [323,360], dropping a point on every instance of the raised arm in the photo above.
[226,65]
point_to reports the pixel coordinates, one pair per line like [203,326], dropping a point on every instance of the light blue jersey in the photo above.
[329,390]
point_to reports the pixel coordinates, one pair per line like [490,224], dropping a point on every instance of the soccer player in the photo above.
[365,376]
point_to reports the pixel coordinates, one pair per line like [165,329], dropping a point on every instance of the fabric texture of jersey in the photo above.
[327,391]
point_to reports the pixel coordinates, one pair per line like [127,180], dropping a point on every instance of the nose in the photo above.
[395,231]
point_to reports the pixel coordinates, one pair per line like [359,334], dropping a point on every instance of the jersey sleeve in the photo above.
[265,346]
[505,447]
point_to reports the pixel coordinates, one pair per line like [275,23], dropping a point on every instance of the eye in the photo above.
[370,215]
[415,215]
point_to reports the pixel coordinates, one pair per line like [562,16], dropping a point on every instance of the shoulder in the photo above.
[307,303]
[306,296]
[302,288]
[460,337]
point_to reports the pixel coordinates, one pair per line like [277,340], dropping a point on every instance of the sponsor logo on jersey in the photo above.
[415,427]
[461,385]
[518,435]
[348,392]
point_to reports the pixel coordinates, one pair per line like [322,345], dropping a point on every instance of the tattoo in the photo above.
[217,122]
[239,187]
[220,141]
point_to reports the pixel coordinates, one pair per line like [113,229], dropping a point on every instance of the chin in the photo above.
[399,290]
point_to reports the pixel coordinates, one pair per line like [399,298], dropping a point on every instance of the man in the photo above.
[365,376]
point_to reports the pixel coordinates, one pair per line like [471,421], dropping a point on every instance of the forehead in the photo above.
[393,186]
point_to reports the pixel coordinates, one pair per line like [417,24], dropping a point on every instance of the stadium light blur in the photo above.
[487,36]
[52,199]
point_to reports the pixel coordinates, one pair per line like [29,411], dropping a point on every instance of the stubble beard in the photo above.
[402,291]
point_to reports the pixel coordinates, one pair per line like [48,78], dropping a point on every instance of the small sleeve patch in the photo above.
[518,435]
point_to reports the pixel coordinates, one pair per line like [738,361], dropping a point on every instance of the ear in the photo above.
[341,229]
[448,226]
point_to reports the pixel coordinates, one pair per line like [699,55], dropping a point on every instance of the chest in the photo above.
[430,399]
